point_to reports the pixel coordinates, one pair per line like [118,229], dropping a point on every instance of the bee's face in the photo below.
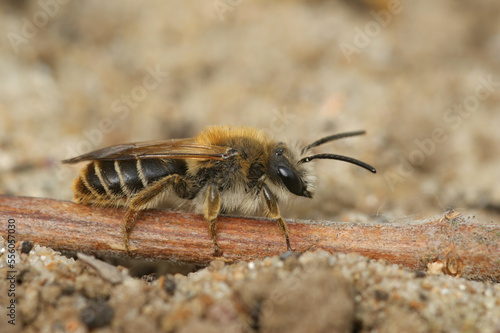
[284,169]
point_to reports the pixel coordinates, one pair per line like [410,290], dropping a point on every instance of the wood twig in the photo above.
[452,243]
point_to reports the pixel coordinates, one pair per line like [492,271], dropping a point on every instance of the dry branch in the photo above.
[452,243]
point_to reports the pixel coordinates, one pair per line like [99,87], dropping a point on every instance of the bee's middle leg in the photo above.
[273,212]
[212,209]
[142,199]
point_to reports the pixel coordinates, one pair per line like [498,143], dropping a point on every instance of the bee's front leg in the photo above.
[273,212]
[211,210]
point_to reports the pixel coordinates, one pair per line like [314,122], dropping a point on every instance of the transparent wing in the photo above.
[173,149]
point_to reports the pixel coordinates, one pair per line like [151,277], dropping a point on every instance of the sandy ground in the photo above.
[422,78]
[314,292]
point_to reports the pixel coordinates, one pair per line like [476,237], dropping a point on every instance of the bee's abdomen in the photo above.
[110,180]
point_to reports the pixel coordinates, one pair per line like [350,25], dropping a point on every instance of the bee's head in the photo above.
[291,171]
[285,169]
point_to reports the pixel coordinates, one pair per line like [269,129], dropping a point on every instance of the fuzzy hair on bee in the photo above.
[221,170]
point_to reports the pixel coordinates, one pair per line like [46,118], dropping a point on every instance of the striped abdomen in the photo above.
[104,181]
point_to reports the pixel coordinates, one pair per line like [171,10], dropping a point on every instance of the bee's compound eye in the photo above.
[290,180]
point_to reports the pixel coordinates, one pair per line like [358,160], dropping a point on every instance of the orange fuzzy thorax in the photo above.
[221,135]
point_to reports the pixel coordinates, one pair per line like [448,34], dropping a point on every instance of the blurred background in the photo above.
[421,77]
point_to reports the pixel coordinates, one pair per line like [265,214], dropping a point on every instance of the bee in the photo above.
[221,170]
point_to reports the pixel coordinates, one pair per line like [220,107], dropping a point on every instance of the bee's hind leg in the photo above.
[211,210]
[128,225]
[142,199]
[273,212]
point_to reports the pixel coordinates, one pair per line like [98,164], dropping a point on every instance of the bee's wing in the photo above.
[173,149]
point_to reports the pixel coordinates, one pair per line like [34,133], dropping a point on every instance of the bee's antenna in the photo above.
[331,138]
[338,157]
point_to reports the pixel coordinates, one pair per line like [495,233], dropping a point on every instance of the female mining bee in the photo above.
[221,170]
